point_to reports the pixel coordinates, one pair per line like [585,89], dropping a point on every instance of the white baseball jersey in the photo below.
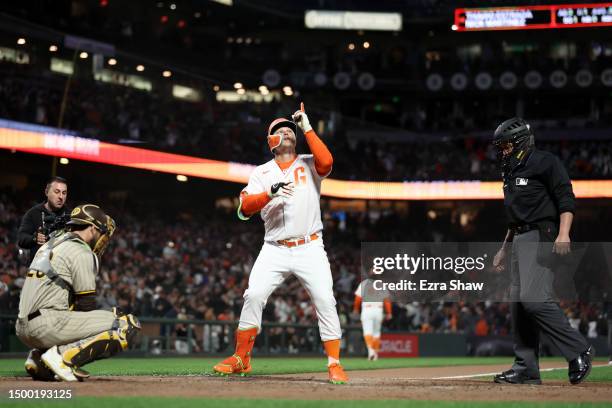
[289,217]
[366,291]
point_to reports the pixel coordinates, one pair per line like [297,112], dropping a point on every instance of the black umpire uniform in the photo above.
[537,189]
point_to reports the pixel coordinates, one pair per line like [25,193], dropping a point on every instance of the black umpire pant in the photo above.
[534,309]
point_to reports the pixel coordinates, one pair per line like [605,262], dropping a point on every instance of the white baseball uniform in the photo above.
[290,218]
[372,312]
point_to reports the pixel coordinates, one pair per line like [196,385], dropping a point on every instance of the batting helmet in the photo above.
[275,140]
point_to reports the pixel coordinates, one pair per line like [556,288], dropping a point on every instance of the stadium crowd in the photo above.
[237,132]
[191,268]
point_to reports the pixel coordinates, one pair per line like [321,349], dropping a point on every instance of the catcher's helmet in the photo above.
[90,214]
[275,140]
[518,133]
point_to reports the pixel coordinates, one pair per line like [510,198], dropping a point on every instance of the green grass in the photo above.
[261,366]
[266,366]
[602,374]
[147,402]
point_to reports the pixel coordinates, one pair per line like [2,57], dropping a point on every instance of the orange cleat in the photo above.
[240,361]
[233,365]
[337,374]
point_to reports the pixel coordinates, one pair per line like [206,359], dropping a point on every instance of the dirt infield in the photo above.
[439,383]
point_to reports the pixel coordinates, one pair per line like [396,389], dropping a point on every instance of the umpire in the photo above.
[539,203]
[40,220]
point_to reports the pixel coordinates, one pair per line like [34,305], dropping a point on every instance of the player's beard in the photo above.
[285,149]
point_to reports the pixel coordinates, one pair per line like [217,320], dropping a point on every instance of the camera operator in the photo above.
[44,218]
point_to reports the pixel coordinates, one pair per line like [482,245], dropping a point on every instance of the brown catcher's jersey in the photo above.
[74,262]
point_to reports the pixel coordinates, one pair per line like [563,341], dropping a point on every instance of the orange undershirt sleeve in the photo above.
[357,304]
[253,203]
[387,304]
[322,156]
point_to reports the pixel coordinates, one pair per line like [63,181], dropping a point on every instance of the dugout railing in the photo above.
[166,336]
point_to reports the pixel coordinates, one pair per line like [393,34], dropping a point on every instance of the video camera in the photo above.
[52,223]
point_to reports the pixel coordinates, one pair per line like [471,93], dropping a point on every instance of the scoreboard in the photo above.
[533,17]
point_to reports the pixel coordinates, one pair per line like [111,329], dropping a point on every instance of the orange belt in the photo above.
[290,243]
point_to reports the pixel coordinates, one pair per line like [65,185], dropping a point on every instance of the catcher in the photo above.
[56,308]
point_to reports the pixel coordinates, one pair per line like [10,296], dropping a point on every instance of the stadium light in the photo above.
[53,48]
[140,68]
[64,160]
[237,85]
[366,45]
[21,41]
[216,88]
[167,74]
[351,46]
[112,61]
[83,55]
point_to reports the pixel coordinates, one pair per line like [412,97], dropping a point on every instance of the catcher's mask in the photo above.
[514,133]
[90,214]
[275,140]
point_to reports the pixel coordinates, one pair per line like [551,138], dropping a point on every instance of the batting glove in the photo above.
[301,119]
[281,189]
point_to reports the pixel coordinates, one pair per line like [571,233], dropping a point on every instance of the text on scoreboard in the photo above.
[533,17]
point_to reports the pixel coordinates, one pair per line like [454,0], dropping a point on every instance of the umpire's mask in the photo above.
[90,214]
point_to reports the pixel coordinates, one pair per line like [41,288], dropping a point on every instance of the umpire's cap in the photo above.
[91,214]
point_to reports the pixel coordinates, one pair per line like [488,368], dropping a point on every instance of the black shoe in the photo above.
[580,368]
[515,377]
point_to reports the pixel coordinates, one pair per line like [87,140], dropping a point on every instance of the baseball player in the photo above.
[372,313]
[287,192]
[56,307]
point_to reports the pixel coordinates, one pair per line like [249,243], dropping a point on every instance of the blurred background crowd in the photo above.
[190,268]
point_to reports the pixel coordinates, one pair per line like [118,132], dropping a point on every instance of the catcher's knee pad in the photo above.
[128,325]
[105,344]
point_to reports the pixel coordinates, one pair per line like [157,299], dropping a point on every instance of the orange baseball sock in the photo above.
[332,349]
[369,341]
[376,343]
[245,339]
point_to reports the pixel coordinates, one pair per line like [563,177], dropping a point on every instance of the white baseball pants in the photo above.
[309,263]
